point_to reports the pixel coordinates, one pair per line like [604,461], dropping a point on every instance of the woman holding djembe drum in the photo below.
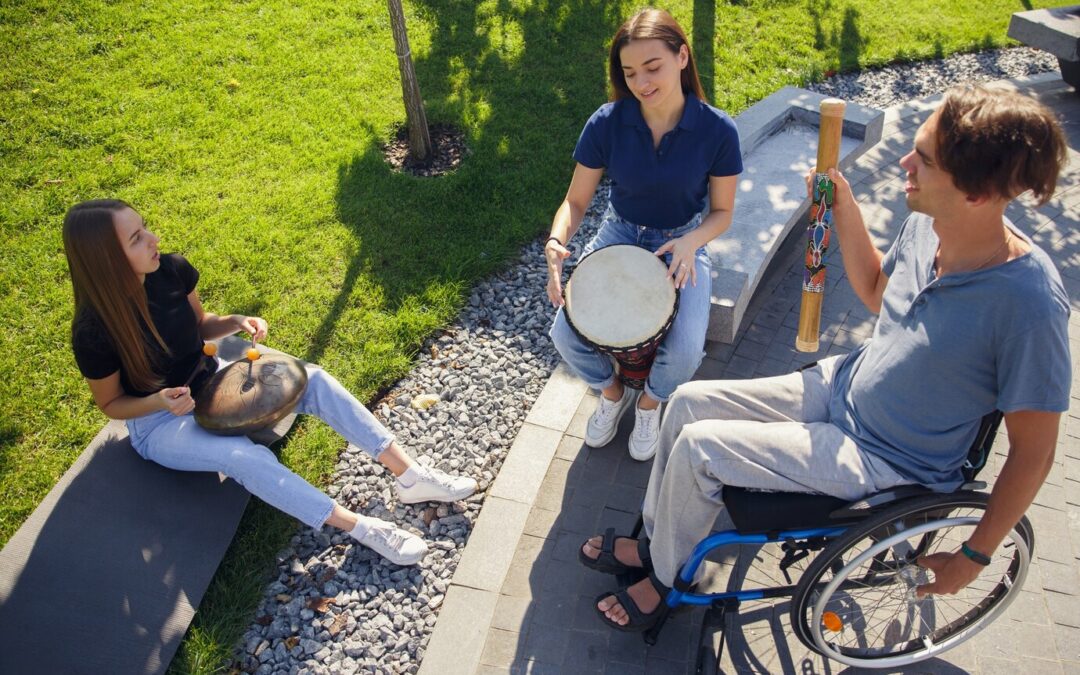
[138,337]
[665,150]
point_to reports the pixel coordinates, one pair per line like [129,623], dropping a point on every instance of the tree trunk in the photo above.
[420,149]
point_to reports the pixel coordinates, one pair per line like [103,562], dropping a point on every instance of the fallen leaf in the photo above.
[320,605]
[264,620]
[339,623]
[283,597]
[428,515]
[425,401]
[434,352]
[291,642]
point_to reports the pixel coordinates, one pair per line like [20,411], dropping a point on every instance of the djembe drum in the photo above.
[246,396]
[620,300]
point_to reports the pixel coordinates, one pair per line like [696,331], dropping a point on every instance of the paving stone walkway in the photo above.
[521,602]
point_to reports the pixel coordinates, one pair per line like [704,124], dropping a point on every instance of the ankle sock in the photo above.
[410,476]
[360,530]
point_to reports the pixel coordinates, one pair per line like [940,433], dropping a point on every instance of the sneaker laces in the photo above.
[436,478]
[389,534]
[605,413]
[649,429]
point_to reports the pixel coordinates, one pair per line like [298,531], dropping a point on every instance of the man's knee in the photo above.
[687,398]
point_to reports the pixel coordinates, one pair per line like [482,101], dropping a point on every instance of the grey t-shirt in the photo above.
[947,351]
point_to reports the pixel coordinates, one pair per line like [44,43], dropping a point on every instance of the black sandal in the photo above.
[639,621]
[607,563]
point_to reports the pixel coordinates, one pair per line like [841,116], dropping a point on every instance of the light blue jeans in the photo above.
[680,354]
[178,442]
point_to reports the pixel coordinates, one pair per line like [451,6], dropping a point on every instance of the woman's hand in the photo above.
[555,253]
[254,326]
[176,400]
[683,252]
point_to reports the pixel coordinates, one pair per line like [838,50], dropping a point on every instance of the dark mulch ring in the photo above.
[449,146]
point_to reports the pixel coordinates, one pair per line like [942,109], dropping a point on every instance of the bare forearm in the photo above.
[1014,491]
[566,222]
[129,407]
[712,226]
[214,326]
[862,261]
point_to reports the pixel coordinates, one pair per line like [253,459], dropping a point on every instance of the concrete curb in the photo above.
[457,642]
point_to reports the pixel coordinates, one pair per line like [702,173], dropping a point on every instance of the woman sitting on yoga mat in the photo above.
[138,336]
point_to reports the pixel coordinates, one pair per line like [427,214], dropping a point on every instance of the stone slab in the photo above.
[148,542]
[457,642]
[1055,30]
[778,138]
[486,559]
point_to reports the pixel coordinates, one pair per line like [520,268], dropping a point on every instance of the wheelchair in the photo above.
[855,602]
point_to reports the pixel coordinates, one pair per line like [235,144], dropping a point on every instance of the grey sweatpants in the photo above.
[770,433]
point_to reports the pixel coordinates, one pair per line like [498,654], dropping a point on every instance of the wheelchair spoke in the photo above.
[857,603]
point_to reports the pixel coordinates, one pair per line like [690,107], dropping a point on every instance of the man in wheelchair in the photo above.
[973,318]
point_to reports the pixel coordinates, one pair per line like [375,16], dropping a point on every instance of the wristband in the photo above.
[974,555]
[556,240]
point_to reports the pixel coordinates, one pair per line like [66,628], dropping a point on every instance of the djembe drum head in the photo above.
[620,300]
[246,396]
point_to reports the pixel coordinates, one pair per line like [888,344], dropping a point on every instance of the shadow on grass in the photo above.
[704,43]
[489,70]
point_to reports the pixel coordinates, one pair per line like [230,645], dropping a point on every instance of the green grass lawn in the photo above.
[248,133]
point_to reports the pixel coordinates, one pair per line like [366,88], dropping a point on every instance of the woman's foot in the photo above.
[604,422]
[391,542]
[420,484]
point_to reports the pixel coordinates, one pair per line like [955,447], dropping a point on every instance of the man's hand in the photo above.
[952,573]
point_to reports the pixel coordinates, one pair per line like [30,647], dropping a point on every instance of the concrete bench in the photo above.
[779,137]
[105,575]
[1053,30]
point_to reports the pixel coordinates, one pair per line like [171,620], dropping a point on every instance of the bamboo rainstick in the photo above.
[821,216]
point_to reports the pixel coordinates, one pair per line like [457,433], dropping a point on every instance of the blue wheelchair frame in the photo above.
[843,514]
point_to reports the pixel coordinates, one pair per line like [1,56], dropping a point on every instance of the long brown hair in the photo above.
[651,24]
[104,283]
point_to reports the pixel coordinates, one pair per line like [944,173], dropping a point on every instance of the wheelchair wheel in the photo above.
[856,602]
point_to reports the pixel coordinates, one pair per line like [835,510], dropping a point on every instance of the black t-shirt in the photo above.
[167,292]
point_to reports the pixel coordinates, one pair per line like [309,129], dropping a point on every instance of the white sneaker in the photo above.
[646,434]
[605,419]
[432,485]
[396,545]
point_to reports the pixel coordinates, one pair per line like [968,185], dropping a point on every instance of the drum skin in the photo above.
[246,396]
[620,300]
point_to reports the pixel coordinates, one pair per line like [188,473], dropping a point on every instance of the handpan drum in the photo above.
[620,300]
[246,396]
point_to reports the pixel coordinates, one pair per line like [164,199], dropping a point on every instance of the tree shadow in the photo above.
[521,81]
[704,44]
[850,42]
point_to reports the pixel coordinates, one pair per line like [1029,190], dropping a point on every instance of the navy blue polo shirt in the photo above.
[666,186]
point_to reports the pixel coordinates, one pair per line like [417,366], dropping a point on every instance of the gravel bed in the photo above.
[884,87]
[338,608]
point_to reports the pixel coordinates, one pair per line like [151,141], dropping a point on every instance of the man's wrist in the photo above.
[973,555]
